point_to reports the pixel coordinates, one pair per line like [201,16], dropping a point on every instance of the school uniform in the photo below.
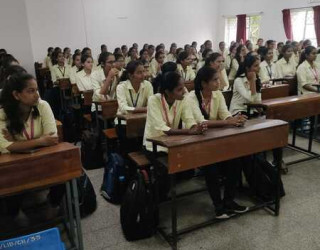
[188,74]
[241,95]
[223,53]
[161,118]
[73,73]
[129,99]
[68,61]
[275,55]
[224,81]
[307,75]
[47,63]
[285,69]
[267,72]
[296,58]
[60,72]
[127,60]
[154,68]
[234,69]
[171,58]
[84,81]
[227,62]
[200,65]
[98,78]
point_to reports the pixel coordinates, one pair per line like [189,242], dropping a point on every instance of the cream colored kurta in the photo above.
[44,124]
[156,123]
[84,81]
[285,69]
[267,72]
[307,75]
[188,74]
[234,69]
[58,72]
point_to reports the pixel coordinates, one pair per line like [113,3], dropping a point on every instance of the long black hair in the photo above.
[307,51]
[170,81]
[11,70]
[284,50]
[212,58]
[205,74]
[17,82]
[249,60]
[165,68]
[103,58]
[130,69]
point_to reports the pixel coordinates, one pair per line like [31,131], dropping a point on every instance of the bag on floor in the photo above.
[261,177]
[87,196]
[114,179]
[91,150]
[139,213]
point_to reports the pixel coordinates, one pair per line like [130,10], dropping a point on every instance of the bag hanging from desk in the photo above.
[139,214]
[87,196]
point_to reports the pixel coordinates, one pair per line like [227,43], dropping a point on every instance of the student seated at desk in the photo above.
[26,122]
[156,63]
[267,66]
[237,61]
[76,66]
[83,77]
[119,65]
[209,107]
[59,70]
[286,67]
[216,62]
[184,68]
[47,61]
[308,72]
[247,86]
[205,54]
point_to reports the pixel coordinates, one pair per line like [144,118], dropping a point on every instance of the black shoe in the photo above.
[236,208]
[222,214]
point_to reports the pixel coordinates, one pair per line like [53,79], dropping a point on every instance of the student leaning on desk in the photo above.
[26,122]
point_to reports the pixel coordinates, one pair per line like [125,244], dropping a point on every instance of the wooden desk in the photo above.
[135,124]
[292,82]
[317,86]
[275,91]
[217,145]
[47,167]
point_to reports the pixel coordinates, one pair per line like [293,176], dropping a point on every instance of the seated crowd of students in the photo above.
[154,81]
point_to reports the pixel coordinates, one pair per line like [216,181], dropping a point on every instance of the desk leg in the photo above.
[294,133]
[70,212]
[278,160]
[312,120]
[173,212]
[77,211]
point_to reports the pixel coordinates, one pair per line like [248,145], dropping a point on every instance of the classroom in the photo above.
[171,124]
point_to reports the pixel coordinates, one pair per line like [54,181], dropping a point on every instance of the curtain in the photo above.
[241,28]
[316,10]
[287,24]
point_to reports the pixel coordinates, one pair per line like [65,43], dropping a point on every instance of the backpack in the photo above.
[71,129]
[114,179]
[261,177]
[139,215]
[87,196]
[91,150]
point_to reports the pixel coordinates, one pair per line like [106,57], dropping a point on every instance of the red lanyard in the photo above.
[315,74]
[29,137]
[165,112]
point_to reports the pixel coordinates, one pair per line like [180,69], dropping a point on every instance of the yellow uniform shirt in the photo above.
[188,74]
[200,65]
[47,62]
[241,95]
[285,69]
[171,58]
[267,72]
[73,73]
[154,68]
[58,72]
[98,78]
[224,81]
[44,124]
[129,99]
[156,123]
[307,75]
[233,69]
[218,107]
[84,81]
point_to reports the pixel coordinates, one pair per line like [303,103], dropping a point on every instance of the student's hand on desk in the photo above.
[7,135]
[198,129]
[140,110]
[238,120]
[48,140]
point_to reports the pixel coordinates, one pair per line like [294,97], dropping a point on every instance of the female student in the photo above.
[216,61]
[83,77]
[147,73]
[247,86]
[286,67]
[133,91]
[229,57]
[205,54]
[172,56]
[119,65]
[105,79]
[47,61]
[237,61]
[144,55]
[155,65]
[59,70]
[26,122]
[308,72]
[67,56]
[209,107]
[267,66]
[184,67]
[76,66]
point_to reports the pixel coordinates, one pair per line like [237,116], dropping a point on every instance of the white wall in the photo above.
[271,22]
[66,23]
[14,30]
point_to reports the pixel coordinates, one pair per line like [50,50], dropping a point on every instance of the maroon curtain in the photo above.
[241,28]
[287,24]
[316,10]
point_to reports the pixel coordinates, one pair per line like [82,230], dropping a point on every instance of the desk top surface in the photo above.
[130,116]
[217,133]
[291,99]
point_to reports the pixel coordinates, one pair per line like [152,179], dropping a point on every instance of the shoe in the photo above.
[236,208]
[222,214]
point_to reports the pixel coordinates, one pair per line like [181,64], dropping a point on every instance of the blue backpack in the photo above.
[114,179]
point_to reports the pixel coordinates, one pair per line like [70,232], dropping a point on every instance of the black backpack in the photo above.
[114,179]
[70,126]
[261,177]
[139,212]
[87,196]
[92,153]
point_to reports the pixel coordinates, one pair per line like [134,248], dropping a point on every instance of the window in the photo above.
[253,29]
[303,25]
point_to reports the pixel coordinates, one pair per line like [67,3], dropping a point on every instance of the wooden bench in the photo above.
[139,159]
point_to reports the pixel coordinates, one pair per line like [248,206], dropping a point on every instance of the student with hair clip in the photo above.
[67,56]
[184,67]
[156,64]
[105,78]
[26,123]
[47,61]
[308,72]
[230,56]
[205,55]
[83,76]
[286,67]
[267,66]
[209,107]
[216,62]
[237,61]
[133,91]
[246,87]
[172,56]
[76,67]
